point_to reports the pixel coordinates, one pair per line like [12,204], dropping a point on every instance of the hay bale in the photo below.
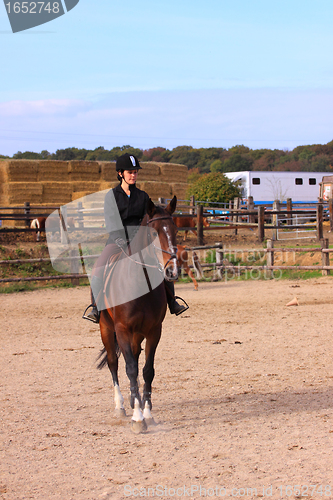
[79,194]
[17,193]
[107,185]
[21,170]
[90,187]
[52,170]
[156,189]
[58,193]
[83,171]
[173,172]
[3,174]
[108,171]
[150,171]
[180,190]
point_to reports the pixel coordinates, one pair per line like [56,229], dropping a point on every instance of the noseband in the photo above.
[173,255]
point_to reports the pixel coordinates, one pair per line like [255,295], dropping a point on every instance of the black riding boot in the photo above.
[94,314]
[174,307]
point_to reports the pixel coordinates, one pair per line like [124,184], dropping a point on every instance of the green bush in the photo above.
[214,188]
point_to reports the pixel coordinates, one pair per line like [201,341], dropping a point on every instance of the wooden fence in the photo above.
[218,267]
[258,218]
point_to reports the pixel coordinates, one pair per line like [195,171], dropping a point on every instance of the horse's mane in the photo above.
[159,210]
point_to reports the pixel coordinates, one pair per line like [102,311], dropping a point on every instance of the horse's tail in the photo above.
[103,354]
[197,265]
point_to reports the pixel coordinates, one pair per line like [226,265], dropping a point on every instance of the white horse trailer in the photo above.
[266,187]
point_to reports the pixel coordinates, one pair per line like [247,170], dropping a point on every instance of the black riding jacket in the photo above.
[131,209]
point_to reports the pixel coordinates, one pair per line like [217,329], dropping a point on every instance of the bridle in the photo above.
[159,266]
[173,255]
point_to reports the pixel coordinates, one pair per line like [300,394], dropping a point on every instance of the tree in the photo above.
[156,154]
[236,163]
[45,155]
[70,154]
[27,155]
[216,166]
[185,155]
[214,188]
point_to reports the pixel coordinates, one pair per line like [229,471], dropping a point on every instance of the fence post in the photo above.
[219,260]
[80,215]
[325,256]
[320,233]
[276,207]
[330,208]
[63,225]
[74,266]
[162,201]
[27,213]
[289,208]
[261,223]
[235,217]
[270,257]
[192,204]
[200,225]
[250,207]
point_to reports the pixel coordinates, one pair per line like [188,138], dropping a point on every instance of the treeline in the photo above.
[312,158]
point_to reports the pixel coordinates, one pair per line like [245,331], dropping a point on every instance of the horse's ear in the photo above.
[172,205]
[151,209]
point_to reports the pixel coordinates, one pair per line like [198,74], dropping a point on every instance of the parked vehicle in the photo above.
[266,187]
[326,187]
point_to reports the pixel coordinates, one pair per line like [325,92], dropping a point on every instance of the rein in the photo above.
[173,255]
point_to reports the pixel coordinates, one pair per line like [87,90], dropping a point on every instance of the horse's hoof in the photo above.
[150,421]
[138,426]
[120,413]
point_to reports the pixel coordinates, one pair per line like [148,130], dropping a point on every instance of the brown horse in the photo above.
[124,327]
[189,222]
[51,225]
[182,262]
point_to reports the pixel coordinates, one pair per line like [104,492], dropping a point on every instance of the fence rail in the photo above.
[218,265]
[277,220]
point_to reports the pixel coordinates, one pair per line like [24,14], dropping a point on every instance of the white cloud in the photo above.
[271,118]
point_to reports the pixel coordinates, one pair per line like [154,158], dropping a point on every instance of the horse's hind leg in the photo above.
[110,343]
[149,373]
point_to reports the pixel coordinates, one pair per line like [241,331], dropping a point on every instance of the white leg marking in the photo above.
[137,413]
[146,411]
[118,398]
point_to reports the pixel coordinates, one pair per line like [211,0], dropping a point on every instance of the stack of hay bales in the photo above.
[55,183]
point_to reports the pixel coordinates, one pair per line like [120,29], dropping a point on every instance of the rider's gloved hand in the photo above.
[120,242]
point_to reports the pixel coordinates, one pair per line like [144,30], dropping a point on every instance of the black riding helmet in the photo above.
[127,162]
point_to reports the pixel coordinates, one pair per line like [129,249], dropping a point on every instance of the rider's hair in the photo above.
[119,176]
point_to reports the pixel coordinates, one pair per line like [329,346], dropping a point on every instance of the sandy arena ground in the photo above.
[243,398]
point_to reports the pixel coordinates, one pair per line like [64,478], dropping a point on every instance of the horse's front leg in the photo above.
[131,352]
[149,372]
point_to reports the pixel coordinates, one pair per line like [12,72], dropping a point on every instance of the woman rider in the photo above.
[132,205]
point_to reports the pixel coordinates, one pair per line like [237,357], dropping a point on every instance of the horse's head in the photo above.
[161,220]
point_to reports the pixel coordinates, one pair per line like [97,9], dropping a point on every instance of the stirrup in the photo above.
[186,305]
[93,320]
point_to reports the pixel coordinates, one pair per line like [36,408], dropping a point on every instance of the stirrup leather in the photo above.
[87,317]
[186,305]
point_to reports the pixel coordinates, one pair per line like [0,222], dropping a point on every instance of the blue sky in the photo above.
[200,73]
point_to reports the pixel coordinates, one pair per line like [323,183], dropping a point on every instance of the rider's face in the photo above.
[130,176]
